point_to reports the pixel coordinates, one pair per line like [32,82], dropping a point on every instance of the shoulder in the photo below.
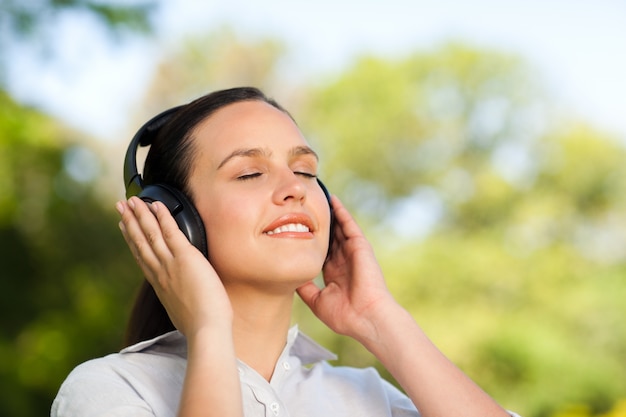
[94,387]
[121,367]
[166,353]
[134,381]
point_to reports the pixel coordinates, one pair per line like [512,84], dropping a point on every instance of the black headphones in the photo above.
[181,207]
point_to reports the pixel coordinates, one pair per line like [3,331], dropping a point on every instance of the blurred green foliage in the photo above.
[520,276]
[65,270]
[31,26]
[66,273]
[26,18]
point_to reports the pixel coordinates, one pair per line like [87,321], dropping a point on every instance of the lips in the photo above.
[290,225]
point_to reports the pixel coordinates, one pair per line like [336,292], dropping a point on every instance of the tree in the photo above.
[27,18]
[422,121]
[212,61]
[32,24]
[67,275]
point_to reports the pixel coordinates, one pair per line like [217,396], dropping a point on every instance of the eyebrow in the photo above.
[303,150]
[261,152]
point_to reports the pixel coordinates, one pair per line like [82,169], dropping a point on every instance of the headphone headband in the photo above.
[144,137]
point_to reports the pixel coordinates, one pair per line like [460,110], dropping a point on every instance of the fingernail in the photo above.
[131,203]
[122,226]
[120,207]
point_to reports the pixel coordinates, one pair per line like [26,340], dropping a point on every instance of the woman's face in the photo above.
[254,185]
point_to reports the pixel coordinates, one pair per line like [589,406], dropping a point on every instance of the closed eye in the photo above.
[247,177]
[305,174]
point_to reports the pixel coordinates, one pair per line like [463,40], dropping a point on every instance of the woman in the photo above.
[251,176]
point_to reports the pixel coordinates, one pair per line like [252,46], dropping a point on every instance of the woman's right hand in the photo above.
[196,302]
[183,279]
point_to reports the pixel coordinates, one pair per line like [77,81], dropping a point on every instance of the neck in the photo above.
[260,326]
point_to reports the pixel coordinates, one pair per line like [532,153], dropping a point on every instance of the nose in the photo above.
[290,187]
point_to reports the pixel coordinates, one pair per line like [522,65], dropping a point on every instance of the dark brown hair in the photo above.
[169,161]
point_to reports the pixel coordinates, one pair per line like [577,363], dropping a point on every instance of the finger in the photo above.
[131,233]
[344,225]
[151,227]
[309,292]
[173,237]
[336,243]
[135,234]
[347,225]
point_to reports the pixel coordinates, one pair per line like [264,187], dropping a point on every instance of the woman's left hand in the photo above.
[355,291]
[356,303]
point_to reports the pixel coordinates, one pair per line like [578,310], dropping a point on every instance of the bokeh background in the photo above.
[480,144]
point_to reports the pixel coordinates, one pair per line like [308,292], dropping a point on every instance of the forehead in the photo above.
[249,124]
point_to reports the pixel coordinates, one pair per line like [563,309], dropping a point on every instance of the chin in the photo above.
[299,270]
[295,270]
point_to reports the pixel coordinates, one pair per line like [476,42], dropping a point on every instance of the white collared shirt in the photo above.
[146,380]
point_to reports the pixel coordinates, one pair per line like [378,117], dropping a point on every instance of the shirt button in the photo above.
[287,366]
[275,407]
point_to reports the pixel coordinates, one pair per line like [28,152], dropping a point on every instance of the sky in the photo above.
[578,48]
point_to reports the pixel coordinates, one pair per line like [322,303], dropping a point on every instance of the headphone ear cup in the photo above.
[332,213]
[183,211]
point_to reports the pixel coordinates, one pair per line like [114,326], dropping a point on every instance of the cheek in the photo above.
[226,226]
[230,230]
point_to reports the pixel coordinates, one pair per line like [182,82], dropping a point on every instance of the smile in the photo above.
[290,227]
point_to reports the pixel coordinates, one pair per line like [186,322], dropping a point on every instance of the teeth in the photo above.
[291,227]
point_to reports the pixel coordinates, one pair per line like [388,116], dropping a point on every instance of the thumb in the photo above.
[309,293]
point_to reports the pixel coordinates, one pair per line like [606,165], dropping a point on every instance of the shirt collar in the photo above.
[298,344]
[305,348]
